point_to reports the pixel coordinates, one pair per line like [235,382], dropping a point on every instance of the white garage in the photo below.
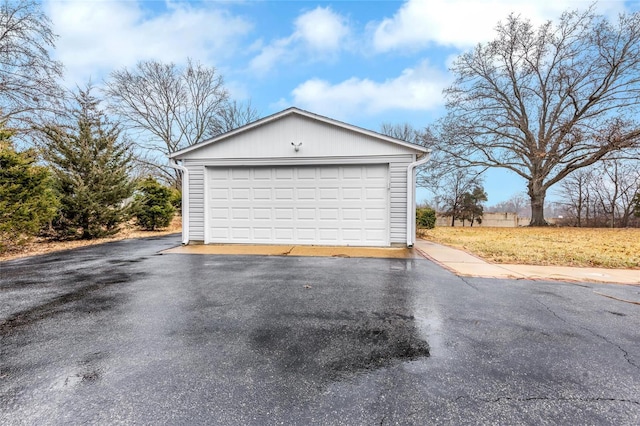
[299,178]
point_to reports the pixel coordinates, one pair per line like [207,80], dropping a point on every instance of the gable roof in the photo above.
[297,111]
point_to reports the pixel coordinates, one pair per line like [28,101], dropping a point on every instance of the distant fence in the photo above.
[496,220]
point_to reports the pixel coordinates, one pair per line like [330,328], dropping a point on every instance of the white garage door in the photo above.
[328,205]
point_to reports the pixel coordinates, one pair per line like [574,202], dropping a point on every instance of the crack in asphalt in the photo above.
[463,279]
[624,352]
[559,399]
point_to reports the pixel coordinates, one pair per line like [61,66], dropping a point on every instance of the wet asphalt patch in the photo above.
[330,347]
[83,297]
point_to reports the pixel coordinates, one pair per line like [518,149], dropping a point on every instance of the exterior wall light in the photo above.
[296,146]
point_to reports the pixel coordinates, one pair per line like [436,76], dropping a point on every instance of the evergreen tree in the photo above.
[91,167]
[153,208]
[472,209]
[636,209]
[27,200]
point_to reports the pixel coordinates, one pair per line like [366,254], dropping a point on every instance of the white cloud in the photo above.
[99,36]
[415,89]
[322,29]
[319,33]
[463,23]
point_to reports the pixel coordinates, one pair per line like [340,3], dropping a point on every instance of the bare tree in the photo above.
[544,102]
[29,77]
[575,191]
[602,195]
[450,195]
[234,114]
[615,185]
[169,107]
[442,171]
[405,132]
[518,203]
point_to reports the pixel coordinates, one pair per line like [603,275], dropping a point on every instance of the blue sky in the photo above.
[363,62]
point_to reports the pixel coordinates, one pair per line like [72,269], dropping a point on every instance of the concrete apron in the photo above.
[289,250]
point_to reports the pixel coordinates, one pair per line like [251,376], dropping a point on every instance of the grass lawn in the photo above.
[588,247]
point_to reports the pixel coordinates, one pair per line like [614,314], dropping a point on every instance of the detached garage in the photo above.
[299,178]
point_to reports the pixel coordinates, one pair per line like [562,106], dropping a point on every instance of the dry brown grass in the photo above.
[587,247]
[43,246]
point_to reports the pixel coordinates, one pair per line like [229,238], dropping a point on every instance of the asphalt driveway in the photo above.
[119,334]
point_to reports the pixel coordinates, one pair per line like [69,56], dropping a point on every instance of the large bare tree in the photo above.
[29,77]
[546,101]
[167,107]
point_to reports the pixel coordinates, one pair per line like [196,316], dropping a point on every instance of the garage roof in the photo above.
[291,111]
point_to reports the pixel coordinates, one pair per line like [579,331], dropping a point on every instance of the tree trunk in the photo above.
[537,194]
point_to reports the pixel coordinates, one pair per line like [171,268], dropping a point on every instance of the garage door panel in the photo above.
[221,194]
[284,173]
[262,234]
[285,194]
[329,173]
[299,205]
[352,235]
[262,213]
[376,215]
[306,234]
[328,214]
[328,235]
[221,213]
[373,235]
[219,233]
[261,194]
[376,173]
[303,194]
[283,235]
[240,174]
[219,174]
[241,233]
[240,213]
[351,193]
[262,174]
[306,214]
[284,213]
[240,193]
[352,214]
[376,193]
[329,194]
[352,173]
[306,173]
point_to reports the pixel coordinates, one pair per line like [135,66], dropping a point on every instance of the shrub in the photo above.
[153,208]
[425,217]
[27,200]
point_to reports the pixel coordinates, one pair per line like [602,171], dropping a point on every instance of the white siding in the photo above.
[196,203]
[273,140]
[398,198]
